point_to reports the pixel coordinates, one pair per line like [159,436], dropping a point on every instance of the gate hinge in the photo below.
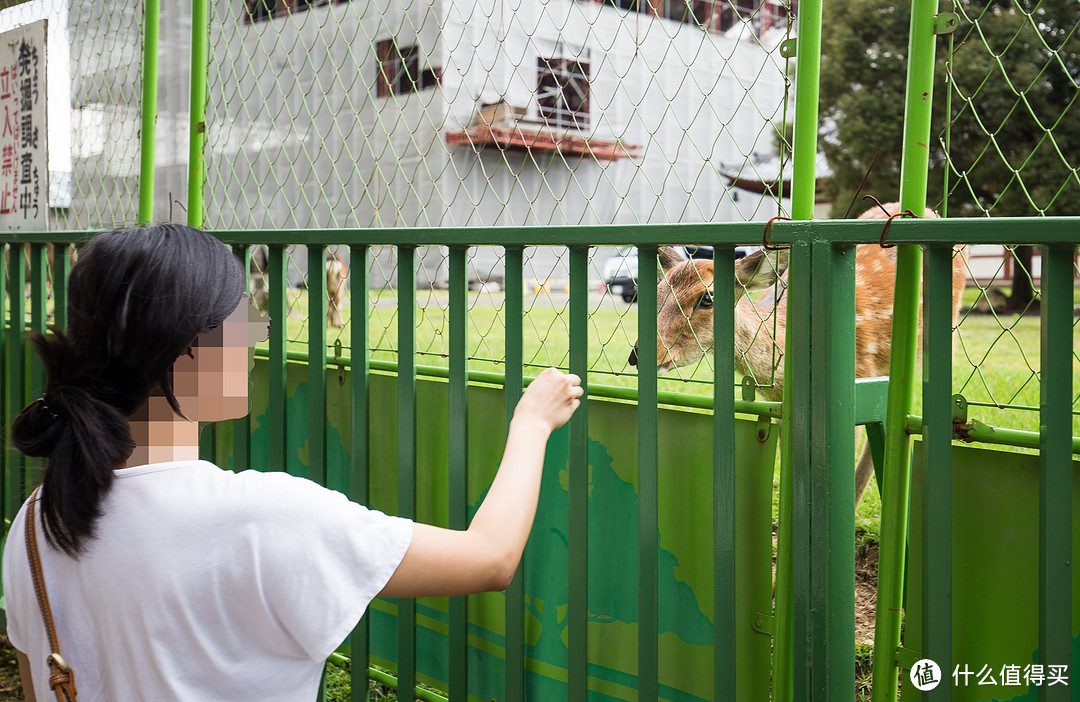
[946,23]
[787,48]
[749,392]
[763,623]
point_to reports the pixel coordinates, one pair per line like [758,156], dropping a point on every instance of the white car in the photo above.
[620,270]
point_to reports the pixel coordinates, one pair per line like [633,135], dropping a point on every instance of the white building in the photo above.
[330,113]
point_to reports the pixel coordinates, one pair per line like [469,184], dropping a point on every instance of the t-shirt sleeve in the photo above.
[323,560]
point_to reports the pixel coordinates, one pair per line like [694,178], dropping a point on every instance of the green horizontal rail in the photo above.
[975,432]
[973,230]
[388,680]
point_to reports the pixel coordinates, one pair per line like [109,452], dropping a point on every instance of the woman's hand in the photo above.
[443,562]
[550,399]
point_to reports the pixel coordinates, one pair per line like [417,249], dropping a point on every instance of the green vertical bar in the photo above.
[276,267]
[406,312]
[724,627]
[797,382]
[896,473]
[200,29]
[648,519]
[357,487]
[241,450]
[38,272]
[803,187]
[578,527]
[937,465]
[1055,467]
[61,270]
[16,360]
[5,409]
[458,467]
[832,471]
[316,469]
[515,593]
[152,15]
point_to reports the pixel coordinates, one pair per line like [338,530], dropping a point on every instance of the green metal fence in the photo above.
[285,194]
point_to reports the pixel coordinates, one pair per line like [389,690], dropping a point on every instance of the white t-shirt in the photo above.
[204,585]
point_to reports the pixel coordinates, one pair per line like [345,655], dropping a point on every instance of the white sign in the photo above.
[24,170]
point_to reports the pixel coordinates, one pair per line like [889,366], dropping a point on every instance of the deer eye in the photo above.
[706,300]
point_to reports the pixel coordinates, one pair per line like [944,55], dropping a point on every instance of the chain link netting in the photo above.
[1010,147]
[94,85]
[397,114]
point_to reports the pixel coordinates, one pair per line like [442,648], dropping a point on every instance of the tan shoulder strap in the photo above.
[62,677]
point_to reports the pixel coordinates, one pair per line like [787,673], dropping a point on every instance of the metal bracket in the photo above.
[749,389]
[946,23]
[763,623]
[787,48]
[339,361]
[907,657]
[764,428]
[959,409]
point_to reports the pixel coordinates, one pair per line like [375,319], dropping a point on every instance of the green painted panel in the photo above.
[995,581]
[685,538]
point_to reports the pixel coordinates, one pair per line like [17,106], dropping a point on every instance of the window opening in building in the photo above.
[400,71]
[562,92]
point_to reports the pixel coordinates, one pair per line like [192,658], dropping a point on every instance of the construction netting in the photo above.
[399,114]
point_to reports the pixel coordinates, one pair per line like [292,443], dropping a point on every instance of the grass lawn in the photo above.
[995,358]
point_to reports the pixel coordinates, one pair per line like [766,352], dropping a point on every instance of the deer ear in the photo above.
[761,269]
[670,256]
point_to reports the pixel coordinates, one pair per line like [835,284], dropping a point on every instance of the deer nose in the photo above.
[633,356]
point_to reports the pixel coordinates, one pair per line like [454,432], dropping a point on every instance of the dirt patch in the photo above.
[866,573]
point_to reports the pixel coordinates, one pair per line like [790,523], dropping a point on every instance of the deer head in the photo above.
[685,308]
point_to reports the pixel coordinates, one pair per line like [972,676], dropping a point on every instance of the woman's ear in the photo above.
[189,353]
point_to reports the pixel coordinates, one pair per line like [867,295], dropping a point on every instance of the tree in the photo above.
[1012,130]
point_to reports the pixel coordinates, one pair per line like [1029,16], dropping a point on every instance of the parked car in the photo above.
[620,270]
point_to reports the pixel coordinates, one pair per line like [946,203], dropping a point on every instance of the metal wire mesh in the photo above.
[392,113]
[93,88]
[1011,147]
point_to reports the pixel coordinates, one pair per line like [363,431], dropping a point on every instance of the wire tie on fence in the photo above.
[765,235]
[905,213]
[878,203]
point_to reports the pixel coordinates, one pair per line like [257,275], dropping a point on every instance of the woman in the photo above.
[171,579]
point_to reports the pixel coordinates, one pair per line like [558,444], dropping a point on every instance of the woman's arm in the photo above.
[441,562]
[24,676]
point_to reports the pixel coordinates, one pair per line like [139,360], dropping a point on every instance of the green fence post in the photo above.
[316,347]
[832,471]
[804,187]
[15,353]
[515,593]
[458,466]
[152,15]
[406,446]
[648,505]
[937,465]
[200,21]
[725,673]
[897,469]
[357,484]
[276,416]
[578,527]
[1055,467]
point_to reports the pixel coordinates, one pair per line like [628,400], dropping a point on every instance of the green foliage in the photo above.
[1005,105]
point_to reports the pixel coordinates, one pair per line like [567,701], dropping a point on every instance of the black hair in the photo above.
[136,301]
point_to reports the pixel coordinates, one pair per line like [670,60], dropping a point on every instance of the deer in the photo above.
[337,272]
[684,316]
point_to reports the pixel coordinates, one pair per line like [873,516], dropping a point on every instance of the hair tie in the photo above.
[45,400]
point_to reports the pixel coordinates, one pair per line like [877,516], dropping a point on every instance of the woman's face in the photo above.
[212,386]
